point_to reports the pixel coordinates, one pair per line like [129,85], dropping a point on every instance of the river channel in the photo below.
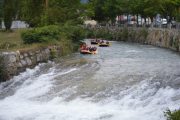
[125,81]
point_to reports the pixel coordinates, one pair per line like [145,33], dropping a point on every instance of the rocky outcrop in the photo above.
[12,63]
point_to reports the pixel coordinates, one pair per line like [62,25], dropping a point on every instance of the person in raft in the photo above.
[83,46]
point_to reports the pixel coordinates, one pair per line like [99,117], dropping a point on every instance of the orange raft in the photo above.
[88,52]
[84,49]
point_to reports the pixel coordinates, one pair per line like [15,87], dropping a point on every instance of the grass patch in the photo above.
[11,39]
[66,36]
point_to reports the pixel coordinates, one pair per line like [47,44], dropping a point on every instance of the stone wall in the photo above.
[162,37]
[167,38]
[12,63]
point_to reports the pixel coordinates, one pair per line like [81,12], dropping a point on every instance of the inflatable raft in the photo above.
[88,52]
[107,44]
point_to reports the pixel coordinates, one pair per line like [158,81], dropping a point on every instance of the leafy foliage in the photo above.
[175,115]
[1,9]
[53,33]
[9,12]
[49,12]
[31,11]
[39,35]
[106,10]
[74,33]
[52,12]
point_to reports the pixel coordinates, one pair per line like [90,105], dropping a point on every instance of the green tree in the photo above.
[178,15]
[152,8]
[61,11]
[177,11]
[105,10]
[87,10]
[169,8]
[31,11]
[136,8]
[1,12]
[99,13]
[48,12]
[111,9]
[9,13]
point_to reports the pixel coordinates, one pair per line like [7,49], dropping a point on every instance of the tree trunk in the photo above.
[152,21]
[127,19]
[8,22]
[8,13]
[137,23]
[0,24]
[145,22]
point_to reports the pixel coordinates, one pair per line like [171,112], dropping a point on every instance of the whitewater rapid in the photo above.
[123,82]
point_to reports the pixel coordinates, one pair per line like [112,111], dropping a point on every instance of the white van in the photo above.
[164,21]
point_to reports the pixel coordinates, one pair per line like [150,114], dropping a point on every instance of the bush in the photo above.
[90,33]
[175,115]
[99,33]
[54,33]
[77,33]
[74,33]
[39,35]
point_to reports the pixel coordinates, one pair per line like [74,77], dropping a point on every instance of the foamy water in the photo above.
[114,85]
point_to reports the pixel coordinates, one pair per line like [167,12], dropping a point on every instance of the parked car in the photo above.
[173,24]
[164,21]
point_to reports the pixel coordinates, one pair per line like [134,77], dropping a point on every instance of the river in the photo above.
[126,81]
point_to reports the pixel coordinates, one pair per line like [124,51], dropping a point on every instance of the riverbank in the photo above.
[14,62]
[12,41]
[17,53]
[29,55]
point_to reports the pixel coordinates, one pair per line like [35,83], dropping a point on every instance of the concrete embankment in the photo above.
[12,63]
[164,38]
[167,38]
